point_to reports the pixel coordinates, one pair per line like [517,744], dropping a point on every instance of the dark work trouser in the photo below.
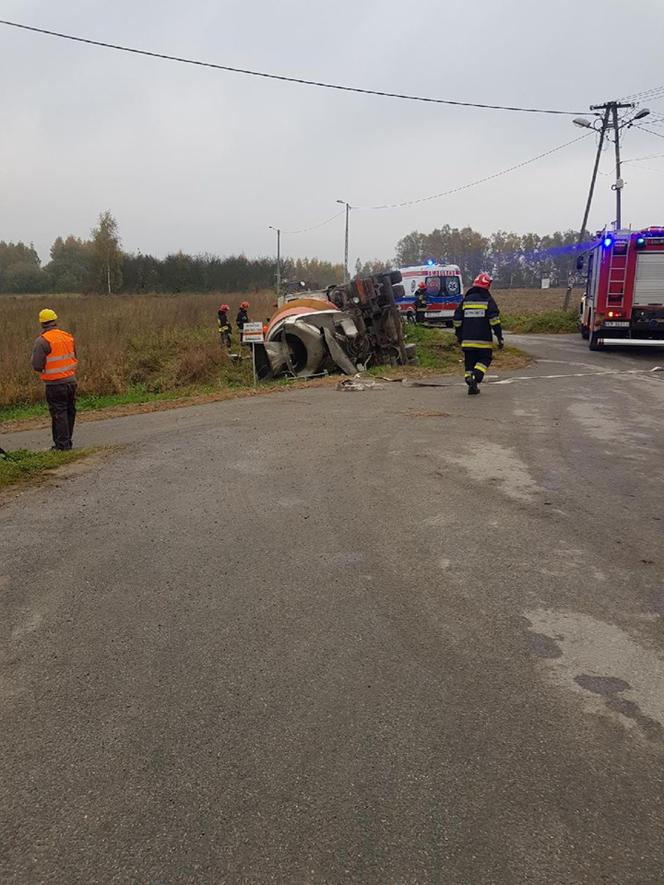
[477,361]
[61,399]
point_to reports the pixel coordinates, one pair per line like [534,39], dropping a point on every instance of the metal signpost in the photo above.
[252,333]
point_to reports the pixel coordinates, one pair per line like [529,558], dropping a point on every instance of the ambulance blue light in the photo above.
[430,262]
[608,242]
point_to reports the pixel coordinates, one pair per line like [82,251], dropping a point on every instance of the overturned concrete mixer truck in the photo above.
[345,329]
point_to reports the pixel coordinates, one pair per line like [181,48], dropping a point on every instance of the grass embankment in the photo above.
[438,353]
[551,322]
[20,467]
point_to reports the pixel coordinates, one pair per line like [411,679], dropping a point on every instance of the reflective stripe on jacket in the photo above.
[61,362]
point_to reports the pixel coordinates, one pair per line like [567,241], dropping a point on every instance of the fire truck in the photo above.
[624,298]
[444,290]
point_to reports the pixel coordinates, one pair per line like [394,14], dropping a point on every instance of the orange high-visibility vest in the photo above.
[61,362]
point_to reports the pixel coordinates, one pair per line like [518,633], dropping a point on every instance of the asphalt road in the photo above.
[392,636]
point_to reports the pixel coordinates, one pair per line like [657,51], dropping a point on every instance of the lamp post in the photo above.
[278,232]
[348,208]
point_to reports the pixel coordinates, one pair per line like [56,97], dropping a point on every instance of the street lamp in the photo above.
[348,208]
[644,112]
[583,123]
[278,231]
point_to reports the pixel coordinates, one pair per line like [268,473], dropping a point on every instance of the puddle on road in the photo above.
[613,674]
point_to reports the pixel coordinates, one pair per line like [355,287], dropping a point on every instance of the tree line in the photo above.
[518,261]
[99,265]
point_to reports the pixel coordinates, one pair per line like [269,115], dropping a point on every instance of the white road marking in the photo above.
[578,375]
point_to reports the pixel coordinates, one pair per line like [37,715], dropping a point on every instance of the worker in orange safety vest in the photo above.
[54,357]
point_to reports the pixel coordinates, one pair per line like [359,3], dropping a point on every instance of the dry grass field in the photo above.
[159,342]
[532,301]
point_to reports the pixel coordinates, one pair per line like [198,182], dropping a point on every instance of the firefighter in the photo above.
[225,327]
[476,320]
[421,302]
[54,357]
[242,315]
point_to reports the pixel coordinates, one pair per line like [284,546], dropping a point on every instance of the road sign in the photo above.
[252,333]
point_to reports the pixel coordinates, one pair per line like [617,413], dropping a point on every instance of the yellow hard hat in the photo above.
[47,315]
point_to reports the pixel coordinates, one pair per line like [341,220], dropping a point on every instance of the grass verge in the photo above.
[438,353]
[20,466]
[551,322]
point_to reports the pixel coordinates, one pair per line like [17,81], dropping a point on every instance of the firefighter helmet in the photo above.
[224,307]
[483,281]
[244,304]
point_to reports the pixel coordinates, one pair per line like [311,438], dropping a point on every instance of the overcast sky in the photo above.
[200,160]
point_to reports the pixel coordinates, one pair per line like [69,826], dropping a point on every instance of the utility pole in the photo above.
[348,208]
[611,109]
[618,186]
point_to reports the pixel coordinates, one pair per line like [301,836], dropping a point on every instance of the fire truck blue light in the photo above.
[608,242]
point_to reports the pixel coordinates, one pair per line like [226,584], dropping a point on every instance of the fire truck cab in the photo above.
[444,291]
[624,299]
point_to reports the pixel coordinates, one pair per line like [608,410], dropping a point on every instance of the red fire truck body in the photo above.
[624,299]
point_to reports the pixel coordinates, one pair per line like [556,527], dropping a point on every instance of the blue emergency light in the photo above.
[640,241]
[608,242]
[430,262]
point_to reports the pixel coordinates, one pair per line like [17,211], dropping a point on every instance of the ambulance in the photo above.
[444,291]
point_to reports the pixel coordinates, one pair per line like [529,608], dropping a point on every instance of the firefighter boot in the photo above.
[473,389]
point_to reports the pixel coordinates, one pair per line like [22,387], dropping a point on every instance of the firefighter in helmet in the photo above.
[421,302]
[225,327]
[476,321]
[242,315]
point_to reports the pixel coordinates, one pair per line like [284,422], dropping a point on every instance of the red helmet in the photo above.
[422,285]
[244,304]
[224,307]
[483,281]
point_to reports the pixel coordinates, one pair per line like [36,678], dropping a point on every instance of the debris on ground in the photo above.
[359,382]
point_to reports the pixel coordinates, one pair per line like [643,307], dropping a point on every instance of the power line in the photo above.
[455,190]
[650,131]
[306,230]
[645,95]
[650,169]
[640,159]
[267,76]
[470,184]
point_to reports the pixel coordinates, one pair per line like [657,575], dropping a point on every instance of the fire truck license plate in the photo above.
[617,323]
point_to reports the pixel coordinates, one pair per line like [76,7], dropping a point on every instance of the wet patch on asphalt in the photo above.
[613,673]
